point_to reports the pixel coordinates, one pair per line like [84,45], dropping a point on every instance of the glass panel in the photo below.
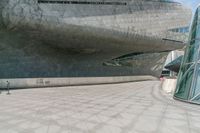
[196,89]
[185,81]
[188,86]
[194,25]
[196,99]
[192,53]
[187,67]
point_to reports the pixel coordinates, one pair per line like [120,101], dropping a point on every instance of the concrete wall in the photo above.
[169,85]
[74,40]
[144,63]
[138,17]
[20,58]
[54,82]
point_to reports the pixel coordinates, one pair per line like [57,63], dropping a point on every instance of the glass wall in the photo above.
[188,85]
[180,30]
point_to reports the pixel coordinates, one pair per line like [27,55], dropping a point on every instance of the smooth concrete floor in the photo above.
[140,107]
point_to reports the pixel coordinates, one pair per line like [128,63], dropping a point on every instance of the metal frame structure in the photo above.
[188,86]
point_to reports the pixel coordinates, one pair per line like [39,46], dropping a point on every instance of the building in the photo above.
[189,76]
[88,38]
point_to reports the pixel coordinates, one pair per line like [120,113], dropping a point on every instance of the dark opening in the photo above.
[81,2]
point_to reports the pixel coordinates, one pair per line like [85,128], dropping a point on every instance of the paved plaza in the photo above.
[140,107]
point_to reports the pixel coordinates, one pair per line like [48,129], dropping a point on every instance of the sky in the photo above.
[191,3]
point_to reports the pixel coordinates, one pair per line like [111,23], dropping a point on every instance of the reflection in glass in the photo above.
[188,85]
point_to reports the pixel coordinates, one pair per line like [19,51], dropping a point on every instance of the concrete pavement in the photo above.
[140,107]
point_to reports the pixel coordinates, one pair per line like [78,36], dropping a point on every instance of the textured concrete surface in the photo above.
[137,16]
[58,82]
[74,40]
[118,108]
[26,58]
[169,85]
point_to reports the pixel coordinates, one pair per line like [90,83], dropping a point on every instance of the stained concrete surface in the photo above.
[59,82]
[140,107]
[40,40]
[21,58]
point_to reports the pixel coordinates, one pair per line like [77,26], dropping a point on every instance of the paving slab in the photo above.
[138,107]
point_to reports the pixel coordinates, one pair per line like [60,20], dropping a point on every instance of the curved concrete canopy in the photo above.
[73,38]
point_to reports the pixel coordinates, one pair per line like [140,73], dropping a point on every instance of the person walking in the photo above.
[8,88]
